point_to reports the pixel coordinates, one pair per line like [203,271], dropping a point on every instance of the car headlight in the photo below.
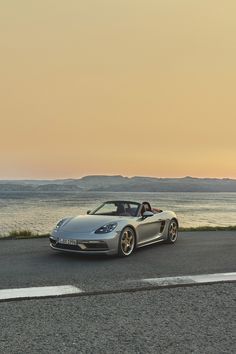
[59,224]
[106,228]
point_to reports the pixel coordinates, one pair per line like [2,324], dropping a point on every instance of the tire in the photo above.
[172,231]
[126,242]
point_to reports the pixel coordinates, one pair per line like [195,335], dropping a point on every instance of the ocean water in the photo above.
[40,211]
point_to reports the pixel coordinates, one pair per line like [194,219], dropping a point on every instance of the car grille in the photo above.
[67,247]
[82,246]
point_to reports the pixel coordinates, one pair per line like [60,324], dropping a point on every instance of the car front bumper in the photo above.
[85,245]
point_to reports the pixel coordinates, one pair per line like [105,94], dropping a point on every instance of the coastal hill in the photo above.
[121,184]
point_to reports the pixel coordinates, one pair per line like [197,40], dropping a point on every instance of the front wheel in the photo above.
[126,242]
[172,231]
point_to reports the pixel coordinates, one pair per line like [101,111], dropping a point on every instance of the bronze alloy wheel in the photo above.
[172,231]
[126,242]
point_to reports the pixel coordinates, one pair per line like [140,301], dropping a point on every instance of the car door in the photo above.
[148,229]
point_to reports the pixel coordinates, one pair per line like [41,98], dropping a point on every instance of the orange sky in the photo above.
[117,87]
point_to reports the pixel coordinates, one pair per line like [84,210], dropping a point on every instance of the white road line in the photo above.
[192,279]
[44,291]
[51,291]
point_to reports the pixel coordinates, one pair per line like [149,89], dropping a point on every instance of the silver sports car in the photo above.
[115,227]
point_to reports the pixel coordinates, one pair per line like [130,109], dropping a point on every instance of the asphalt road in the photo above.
[199,319]
[25,263]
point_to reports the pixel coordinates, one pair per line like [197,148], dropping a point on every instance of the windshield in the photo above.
[118,208]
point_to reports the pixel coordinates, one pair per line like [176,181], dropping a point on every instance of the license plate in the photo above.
[68,242]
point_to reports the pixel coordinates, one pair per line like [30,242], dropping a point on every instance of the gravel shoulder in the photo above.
[197,320]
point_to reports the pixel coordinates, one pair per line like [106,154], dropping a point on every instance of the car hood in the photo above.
[87,223]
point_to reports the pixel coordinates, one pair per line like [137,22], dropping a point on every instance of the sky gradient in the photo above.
[125,87]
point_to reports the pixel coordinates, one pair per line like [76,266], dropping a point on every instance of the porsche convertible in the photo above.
[115,227]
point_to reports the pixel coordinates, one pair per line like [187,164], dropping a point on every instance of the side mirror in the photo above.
[147,214]
[88,211]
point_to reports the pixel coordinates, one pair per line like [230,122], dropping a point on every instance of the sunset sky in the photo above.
[131,87]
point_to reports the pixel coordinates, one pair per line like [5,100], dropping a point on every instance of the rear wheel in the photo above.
[126,242]
[172,231]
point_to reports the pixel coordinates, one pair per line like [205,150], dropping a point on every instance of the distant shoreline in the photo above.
[27,234]
[118,183]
